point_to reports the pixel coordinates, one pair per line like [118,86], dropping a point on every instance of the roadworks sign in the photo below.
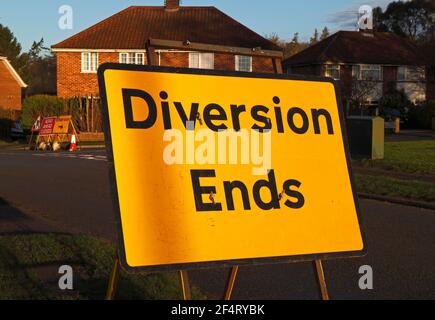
[218,168]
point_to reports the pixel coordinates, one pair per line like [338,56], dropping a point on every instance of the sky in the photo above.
[32,20]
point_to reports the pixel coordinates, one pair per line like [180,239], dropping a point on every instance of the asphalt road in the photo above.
[70,193]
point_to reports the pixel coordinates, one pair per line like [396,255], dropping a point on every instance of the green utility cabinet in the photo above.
[366,137]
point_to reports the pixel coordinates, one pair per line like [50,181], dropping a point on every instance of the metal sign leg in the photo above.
[113,282]
[185,285]
[320,276]
[231,282]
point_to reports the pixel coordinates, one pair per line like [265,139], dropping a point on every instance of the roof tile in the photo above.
[359,47]
[132,27]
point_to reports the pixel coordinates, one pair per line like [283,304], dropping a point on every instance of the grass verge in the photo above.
[29,266]
[417,157]
[386,186]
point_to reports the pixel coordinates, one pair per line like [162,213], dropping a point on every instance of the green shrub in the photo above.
[420,116]
[395,102]
[43,105]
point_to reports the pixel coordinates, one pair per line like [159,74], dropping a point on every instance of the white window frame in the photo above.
[140,54]
[335,67]
[358,69]
[128,56]
[200,55]
[237,67]
[90,67]
[121,56]
[407,71]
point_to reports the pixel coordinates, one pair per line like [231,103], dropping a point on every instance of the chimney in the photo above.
[172,5]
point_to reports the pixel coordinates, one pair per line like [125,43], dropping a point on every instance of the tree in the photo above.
[362,91]
[413,19]
[289,48]
[294,46]
[37,67]
[325,33]
[274,37]
[315,37]
[11,48]
[378,24]
[40,70]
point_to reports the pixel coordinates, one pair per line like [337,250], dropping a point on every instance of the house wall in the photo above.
[72,82]
[415,91]
[313,70]
[389,74]
[10,91]
[345,82]
[430,85]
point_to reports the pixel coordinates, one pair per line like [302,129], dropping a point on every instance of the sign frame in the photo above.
[222,263]
[63,120]
[52,127]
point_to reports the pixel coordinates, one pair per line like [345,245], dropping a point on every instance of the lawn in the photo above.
[414,159]
[417,157]
[405,189]
[29,264]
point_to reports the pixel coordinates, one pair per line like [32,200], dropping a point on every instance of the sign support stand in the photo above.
[185,285]
[231,282]
[321,282]
[183,274]
[113,282]
[29,146]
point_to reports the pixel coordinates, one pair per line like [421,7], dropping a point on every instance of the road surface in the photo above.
[70,193]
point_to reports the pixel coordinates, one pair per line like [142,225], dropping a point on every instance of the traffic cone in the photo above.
[73,144]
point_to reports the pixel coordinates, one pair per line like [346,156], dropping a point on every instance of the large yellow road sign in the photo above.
[194,188]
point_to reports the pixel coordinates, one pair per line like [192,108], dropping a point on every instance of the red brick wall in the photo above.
[226,62]
[430,84]
[389,75]
[310,70]
[70,79]
[10,91]
[174,59]
[72,82]
[345,81]
[260,64]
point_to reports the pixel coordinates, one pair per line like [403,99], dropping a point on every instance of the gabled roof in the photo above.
[132,27]
[12,71]
[360,47]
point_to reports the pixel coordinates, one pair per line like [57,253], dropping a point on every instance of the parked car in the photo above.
[17,131]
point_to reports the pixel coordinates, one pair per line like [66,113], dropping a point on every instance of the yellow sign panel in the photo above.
[211,167]
[61,125]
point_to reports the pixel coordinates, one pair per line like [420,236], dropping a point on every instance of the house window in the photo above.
[244,63]
[140,58]
[333,71]
[367,72]
[89,62]
[201,60]
[132,58]
[411,73]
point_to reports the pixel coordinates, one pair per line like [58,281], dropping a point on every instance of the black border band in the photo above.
[225,263]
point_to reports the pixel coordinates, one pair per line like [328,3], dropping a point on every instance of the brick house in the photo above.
[428,51]
[122,38]
[11,86]
[356,57]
